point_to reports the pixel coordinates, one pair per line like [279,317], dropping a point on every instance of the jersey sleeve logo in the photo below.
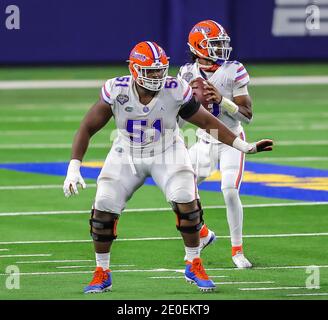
[187,76]
[122,98]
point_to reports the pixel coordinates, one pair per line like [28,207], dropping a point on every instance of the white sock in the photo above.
[102,260]
[192,253]
[234,215]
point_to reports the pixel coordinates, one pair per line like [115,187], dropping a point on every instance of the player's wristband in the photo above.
[74,166]
[229,105]
[243,146]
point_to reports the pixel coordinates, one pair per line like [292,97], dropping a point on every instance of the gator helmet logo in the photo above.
[139,56]
[201,29]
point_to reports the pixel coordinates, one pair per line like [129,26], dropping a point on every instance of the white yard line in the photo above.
[12,214]
[283,204]
[307,294]
[3,249]
[83,272]
[307,115]
[51,261]
[96,83]
[24,255]
[283,235]
[167,270]
[291,127]
[243,282]
[301,143]
[37,187]
[50,84]
[47,146]
[288,80]
[47,273]
[287,235]
[272,288]
[40,119]
[261,205]
[93,266]
[267,268]
[182,277]
[45,241]
[24,133]
[290,159]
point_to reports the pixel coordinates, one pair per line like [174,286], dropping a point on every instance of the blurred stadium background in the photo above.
[54,57]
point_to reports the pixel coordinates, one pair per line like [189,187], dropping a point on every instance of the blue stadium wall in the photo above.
[102,31]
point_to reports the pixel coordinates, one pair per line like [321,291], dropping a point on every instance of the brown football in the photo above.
[197,86]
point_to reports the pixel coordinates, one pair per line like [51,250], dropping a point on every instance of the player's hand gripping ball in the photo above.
[205,92]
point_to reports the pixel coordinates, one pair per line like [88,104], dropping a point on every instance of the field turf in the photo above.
[47,236]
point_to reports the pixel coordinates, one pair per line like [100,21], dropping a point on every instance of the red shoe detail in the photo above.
[203,231]
[198,269]
[236,249]
[99,276]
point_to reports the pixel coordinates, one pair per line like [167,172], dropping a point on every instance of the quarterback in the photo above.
[145,106]
[210,48]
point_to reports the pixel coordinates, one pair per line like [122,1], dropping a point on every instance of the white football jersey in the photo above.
[146,129]
[227,79]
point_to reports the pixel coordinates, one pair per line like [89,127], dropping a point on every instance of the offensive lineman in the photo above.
[210,49]
[145,106]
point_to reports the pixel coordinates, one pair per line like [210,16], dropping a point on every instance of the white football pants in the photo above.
[205,157]
[123,174]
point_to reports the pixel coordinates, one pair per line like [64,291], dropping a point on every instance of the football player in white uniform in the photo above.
[210,48]
[145,106]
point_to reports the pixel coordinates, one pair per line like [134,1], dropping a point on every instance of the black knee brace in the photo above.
[190,216]
[103,225]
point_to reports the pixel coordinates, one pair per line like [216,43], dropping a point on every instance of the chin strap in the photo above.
[210,67]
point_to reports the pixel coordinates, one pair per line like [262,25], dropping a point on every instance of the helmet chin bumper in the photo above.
[151,84]
[154,83]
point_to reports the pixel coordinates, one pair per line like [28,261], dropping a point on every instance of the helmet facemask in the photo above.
[151,77]
[218,48]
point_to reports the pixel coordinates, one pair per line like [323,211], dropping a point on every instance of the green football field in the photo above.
[45,237]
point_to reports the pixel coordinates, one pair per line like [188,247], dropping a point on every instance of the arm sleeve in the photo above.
[179,75]
[189,108]
[241,77]
[186,91]
[106,92]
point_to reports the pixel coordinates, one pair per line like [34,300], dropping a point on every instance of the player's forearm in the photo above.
[219,131]
[222,133]
[80,144]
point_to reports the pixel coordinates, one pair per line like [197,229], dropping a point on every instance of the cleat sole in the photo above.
[206,289]
[200,288]
[99,291]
